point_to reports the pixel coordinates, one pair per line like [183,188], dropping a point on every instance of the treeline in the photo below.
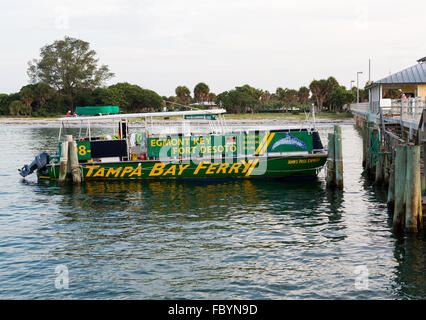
[41,100]
[67,75]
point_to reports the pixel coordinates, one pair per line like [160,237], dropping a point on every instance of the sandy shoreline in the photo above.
[279,121]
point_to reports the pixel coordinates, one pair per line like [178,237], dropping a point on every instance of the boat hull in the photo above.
[279,167]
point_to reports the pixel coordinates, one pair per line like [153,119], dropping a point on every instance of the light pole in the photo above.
[352,81]
[357,86]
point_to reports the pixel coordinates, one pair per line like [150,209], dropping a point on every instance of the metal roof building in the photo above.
[414,75]
[407,83]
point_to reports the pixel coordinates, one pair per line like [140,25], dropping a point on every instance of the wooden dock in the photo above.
[394,144]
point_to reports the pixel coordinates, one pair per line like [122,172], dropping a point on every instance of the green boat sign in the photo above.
[237,144]
[96,110]
[200,116]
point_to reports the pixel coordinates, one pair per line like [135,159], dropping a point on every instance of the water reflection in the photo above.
[243,239]
[410,273]
[181,196]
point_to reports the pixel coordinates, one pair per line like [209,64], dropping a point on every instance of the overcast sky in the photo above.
[225,43]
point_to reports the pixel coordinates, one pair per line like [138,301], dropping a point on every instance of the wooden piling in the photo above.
[338,157]
[373,151]
[386,168]
[378,180]
[364,143]
[400,177]
[413,190]
[368,149]
[63,169]
[330,161]
[391,188]
[75,168]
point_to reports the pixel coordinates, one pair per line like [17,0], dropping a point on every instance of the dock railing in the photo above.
[408,110]
[359,108]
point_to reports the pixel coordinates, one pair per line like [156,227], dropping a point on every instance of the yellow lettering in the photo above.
[235,167]
[182,167]
[246,164]
[137,171]
[211,168]
[157,169]
[91,168]
[171,170]
[200,166]
[126,170]
[222,168]
[100,173]
[113,172]
[82,150]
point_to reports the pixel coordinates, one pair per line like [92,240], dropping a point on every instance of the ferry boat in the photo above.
[199,146]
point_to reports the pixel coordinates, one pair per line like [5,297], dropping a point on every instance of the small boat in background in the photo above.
[199,146]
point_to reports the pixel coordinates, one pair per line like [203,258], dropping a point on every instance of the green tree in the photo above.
[339,97]
[241,99]
[28,94]
[43,92]
[212,97]
[56,104]
[288,97]
[68,65]
[303,95]
[183,94]
[321,89]
[201,92]
[132,98]
[4,103]
[17,108]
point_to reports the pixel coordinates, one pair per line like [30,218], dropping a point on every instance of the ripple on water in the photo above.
[222,240]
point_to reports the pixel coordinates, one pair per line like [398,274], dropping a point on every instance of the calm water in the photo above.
[223,240]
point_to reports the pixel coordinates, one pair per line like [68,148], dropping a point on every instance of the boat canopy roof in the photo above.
[144,115]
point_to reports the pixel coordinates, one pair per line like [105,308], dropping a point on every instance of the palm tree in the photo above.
[183,94]
[303,95]
[201,92]
[43,92]
[212,97]
[321,89]
[28,94]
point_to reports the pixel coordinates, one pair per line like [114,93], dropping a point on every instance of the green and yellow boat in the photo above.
[200,146]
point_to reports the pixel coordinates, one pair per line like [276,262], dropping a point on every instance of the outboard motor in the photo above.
[39,162]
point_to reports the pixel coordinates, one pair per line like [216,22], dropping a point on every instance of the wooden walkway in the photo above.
[394,154]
